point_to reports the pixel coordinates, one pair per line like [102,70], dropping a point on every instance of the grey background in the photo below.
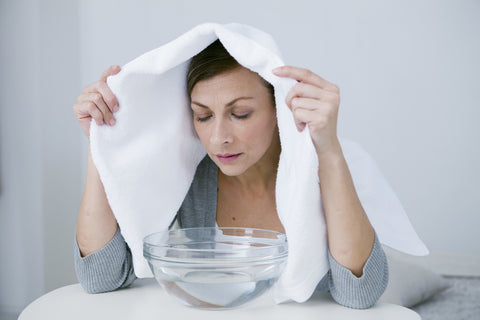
[408,73]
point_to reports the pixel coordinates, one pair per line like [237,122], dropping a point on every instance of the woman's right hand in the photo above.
[97,101]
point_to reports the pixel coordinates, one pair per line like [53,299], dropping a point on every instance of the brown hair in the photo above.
[212,61]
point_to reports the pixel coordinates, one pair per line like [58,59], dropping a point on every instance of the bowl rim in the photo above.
[282,243]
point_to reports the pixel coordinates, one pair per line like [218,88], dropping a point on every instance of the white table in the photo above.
[145,299]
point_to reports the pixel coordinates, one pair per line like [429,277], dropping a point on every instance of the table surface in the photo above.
[145,299]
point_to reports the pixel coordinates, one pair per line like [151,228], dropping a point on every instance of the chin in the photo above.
[231,171]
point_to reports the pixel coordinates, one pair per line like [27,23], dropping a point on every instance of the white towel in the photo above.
[148,159]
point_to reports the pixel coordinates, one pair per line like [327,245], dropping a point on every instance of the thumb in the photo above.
[110,72]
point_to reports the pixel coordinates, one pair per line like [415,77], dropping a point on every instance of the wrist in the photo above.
[331,161]
[332,151]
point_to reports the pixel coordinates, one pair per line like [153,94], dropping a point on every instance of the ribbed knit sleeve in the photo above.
[107,269]
[357,292]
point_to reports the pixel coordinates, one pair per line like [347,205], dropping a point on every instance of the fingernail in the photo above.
[112,122]
[115,108]
[276,70]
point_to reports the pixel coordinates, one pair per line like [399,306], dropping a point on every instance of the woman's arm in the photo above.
[315,102]
[350,234]
[96,223]
[103,260]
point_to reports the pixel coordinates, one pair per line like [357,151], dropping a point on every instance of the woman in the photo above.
[234,116]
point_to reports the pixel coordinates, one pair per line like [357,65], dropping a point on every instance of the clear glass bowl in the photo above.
[216,268]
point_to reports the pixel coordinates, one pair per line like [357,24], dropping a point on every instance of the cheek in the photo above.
[259,134]
[201,133]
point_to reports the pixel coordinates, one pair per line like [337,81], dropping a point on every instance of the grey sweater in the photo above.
[111,267]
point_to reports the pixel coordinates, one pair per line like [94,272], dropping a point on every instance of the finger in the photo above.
[303,90]
[103,79]
[300,74]
[303,117]
[299,123]
[102,88]
[88,110]
[325,108]
[109,72]
[304,75]
[299,104]
[306,110]
[96,99]
[294,105]
[108,96]
[305,103]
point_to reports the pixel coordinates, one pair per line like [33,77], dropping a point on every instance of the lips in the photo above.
[227,157]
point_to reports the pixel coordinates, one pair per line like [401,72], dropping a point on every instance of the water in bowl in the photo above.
[216,268]
[216,289]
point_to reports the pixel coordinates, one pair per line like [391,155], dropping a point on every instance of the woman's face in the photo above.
[234,118]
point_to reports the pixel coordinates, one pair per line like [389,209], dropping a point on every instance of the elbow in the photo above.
[363,293]
[94,282]
[92,289]
[361,302]
[94,285]
[99,278]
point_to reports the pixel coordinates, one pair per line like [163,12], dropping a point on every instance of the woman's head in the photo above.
[212,61]
[233,110]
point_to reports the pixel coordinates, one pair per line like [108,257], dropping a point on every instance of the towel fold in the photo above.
[148,159]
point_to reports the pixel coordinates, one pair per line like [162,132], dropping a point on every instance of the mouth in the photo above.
[228,157]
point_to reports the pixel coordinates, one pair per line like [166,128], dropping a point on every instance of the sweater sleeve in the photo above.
[357,292]
[107,269]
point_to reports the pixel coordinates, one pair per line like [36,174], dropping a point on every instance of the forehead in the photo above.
[234,82]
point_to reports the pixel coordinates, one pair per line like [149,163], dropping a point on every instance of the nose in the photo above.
[221,133]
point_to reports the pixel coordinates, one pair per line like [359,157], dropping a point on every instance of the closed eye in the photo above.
[237,116]
[203,118]
[241,116]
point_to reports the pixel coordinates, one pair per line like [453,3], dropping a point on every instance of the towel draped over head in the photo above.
[148,159]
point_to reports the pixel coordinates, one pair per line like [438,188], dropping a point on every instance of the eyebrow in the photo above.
[231,103]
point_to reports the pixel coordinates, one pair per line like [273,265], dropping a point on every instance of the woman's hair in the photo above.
[212,61]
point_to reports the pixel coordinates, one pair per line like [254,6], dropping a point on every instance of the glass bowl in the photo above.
[216,268]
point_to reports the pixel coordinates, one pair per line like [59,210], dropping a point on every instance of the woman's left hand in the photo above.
[313,101]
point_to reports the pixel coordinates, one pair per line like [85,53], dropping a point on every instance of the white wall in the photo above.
[21,252]
[59,81]
[40,181]
[408,73]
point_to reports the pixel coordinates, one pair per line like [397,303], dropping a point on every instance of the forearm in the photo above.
[350,234]
[96,223]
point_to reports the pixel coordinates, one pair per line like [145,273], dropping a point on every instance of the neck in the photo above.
[261,177]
